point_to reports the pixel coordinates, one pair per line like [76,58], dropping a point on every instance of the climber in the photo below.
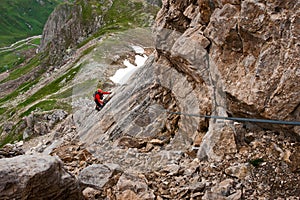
[98,98]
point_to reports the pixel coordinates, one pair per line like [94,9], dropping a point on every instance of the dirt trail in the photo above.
[20,43]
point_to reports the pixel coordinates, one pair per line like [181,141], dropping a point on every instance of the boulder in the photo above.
[99,176]
[240,171]
[133,186]
[36,177]
[91,193]
[223,190]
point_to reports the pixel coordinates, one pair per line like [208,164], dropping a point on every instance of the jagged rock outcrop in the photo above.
[243,52]
[202,53]
[36,177]
[208,61]
[42,123]
[136,118]
[68,25]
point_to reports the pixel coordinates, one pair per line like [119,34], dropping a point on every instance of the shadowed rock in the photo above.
[36,177]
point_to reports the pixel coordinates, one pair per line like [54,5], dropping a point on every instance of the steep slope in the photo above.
[20,19]
[211,59]
[151,140]
[31,85]
[200,73]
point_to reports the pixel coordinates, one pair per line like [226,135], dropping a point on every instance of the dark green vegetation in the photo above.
[9,138]
[23,18]
[24,62]
[36,102]
[51,88]
[17,72]
[47,105]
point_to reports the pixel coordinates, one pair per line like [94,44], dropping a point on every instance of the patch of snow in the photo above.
[138,49]
[122,75]
[140,60]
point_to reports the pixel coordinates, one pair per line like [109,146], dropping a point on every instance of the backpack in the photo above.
[100,94]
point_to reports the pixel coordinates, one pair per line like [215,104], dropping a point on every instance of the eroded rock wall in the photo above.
[70,24]
[209,60]
[246,55]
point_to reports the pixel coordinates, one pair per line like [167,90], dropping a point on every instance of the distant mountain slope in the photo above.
[30,82]
[23,18]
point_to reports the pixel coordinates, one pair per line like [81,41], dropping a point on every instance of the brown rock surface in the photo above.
[244,53]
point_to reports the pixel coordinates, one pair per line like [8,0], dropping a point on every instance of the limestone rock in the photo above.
[98,176]
[239,171]
[128,194]
[75,156]
[41,123]
[218,142]
[212,57]
[255,58]
[135,186]
[218,57]
[11,150]
[135,115]
[36,177]
[91,193]
[243,53]
[223,191]
[67,26]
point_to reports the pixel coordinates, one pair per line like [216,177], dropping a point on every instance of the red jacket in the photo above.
[98,96]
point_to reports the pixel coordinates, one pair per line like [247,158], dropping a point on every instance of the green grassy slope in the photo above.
[12,58]
[23,18]
[55,94]
[124,15]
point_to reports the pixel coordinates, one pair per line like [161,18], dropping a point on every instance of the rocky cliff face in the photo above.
[205,65]
[69,25]
[244,53]
[210,57]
